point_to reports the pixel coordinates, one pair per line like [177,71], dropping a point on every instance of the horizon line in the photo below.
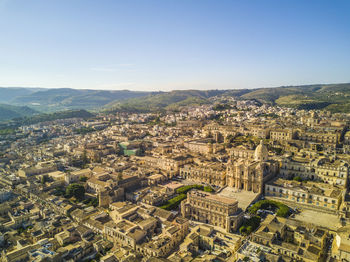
[172,90]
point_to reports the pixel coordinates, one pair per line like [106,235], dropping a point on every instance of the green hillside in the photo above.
[53,116]
[272,94]
[8,112]
[333,97]
[169,100]
[67,98]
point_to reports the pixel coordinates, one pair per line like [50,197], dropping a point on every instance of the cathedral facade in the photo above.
[250,174]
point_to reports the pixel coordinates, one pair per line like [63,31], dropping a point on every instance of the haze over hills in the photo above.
[8,112]
[26,102]
[7,94]
[19,102]
[64,98]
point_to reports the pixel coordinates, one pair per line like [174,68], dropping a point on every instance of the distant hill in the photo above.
[8,112]
[6,126]
[165,100]
[333,97]
[7,94]
[64,98]
[53,116]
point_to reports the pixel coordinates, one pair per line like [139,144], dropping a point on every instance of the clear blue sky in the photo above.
[173,44]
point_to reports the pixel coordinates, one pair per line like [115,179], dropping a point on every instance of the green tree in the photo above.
[44,179]
[249,229]
[83,178]
[76,190]
[283,211]
[85,159]
[243,230]
[298,178]
[207,189]
[94,202]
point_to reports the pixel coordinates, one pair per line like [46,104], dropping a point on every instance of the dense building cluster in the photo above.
[241,182]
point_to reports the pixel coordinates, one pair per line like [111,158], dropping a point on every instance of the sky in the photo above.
[173,44]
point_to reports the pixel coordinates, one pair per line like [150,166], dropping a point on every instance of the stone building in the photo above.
[347,138]
[206,237]
[152,232]
[219,132]
[341,245]
[323,169]
[214,174]
[167,163]
[241,152]
[212,209]
[255,130]
[37,170]
[293,240]
[251,174]
[282,134]
[308,194]
[202,146]
[332,138]
[109,195]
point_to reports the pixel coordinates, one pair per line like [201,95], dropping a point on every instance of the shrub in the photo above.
[185,189]
[297,178]
[59,191]
[250,225]
[207,189]
[249,229]
[174,202]
[182,194]
[283,210]
[83,178]
[243,230]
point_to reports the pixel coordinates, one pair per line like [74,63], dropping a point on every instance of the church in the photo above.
[250,174]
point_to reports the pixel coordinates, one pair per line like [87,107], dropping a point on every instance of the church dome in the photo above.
[261,152]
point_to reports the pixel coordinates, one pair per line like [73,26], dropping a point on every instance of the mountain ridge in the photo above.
[332,97]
